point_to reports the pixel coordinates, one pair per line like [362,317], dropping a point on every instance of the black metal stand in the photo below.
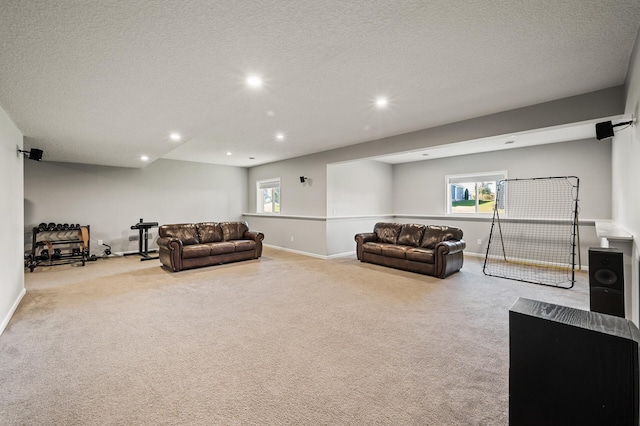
[143,227]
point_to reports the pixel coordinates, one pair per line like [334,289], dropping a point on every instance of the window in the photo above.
[268,196]
[473,194]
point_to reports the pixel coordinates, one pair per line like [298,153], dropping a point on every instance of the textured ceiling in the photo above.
[104,82]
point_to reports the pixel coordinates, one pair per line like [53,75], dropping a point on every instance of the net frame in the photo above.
[514,236]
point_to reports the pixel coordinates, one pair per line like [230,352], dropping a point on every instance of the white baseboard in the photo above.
[306,253]
[7,318]
[345,254]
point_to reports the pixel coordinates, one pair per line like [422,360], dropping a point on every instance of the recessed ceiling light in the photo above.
[382,102]
[175,136]
[509,142]
[252,158]
[144,158]
[254,81]
[228,152]
[271,113]
[426,154]
[280,136]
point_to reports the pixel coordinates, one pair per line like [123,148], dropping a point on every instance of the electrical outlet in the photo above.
[292,238]
[479,241]
[100,242]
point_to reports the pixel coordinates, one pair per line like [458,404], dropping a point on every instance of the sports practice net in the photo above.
[534,232]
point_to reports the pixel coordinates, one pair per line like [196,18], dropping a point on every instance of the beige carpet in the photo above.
[287,339]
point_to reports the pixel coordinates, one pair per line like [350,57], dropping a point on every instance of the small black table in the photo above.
[143,227]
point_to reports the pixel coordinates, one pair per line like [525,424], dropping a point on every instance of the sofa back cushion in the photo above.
[233,230]
[387,232]
[411,234]
[434,234]
[185,232]
[209,232]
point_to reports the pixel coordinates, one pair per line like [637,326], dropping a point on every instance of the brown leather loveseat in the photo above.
[191,245]
[426,249]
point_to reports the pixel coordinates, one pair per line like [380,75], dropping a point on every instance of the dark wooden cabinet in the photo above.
[571,367]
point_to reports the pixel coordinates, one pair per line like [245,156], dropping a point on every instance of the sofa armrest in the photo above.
[366,237]
[449,257]
[166,242]
[362,238]
[450,247]
[254,235]
[170,252]
[257,237]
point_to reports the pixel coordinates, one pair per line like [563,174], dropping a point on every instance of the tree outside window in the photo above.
[473,194]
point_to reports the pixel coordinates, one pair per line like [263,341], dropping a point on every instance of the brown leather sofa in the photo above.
[426,249]
[192,245]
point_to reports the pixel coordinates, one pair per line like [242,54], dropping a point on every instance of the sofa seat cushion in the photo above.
[244,245]
[373,248]
[195,250]
[223,247]
[395,251]
[420,255]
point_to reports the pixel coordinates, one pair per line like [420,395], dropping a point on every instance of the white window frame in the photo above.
[266,184]
[471,177]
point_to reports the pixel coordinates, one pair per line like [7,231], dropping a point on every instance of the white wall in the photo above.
[589,160]
[296,198]
[626,169]
[359,188]
[356,188]
[11,215]
[111,199]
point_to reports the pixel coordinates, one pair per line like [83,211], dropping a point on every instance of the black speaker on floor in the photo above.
[571,367]
[606,281]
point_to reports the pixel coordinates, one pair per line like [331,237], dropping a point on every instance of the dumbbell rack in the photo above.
[71,247]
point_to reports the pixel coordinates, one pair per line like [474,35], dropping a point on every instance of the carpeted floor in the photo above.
[286,339]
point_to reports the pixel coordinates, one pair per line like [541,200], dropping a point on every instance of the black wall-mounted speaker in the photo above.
[604,130]
[606,281]
[35,154]
[571,367]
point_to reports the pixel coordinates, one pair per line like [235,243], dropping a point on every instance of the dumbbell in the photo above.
[51,226]
[65,226]
[42,227]
[44,254]
[57,253]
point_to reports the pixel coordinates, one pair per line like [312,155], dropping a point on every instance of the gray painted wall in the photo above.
[11,215]
[590,160]
[111,199]
[419,187]
[312,200]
